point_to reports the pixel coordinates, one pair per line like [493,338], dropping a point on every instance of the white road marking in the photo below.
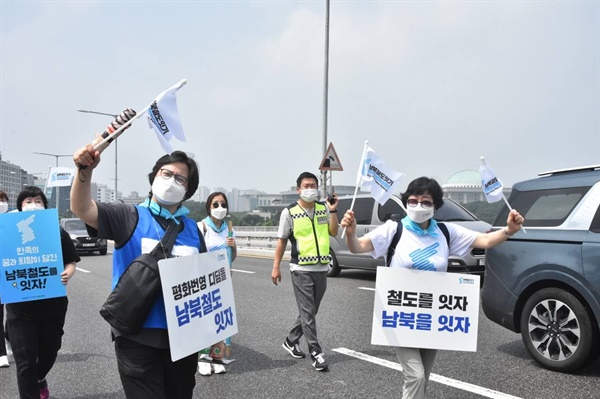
[465,386]
[82,270]
[242,271]
[366,288]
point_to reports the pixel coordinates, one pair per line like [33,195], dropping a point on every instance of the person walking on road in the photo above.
[144,357]
[217,235]
[421,234]
[307,223]
[35,328]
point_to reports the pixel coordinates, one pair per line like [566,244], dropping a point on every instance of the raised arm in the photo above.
[81,191]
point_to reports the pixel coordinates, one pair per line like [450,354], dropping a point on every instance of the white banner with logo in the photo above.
[198,301]
[423,309]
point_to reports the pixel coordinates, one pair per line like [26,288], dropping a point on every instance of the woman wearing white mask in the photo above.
[144,358]
[217,235]
[419,230]
[35,328]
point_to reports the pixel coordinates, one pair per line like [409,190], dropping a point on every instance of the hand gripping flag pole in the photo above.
[126,118]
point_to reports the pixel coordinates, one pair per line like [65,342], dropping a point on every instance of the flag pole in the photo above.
[101,145]
[504,198]
[358,180]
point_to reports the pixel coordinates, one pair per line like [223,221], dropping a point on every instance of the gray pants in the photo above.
[309,289]
[416,365]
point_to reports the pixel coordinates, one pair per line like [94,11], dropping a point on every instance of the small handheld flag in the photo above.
[492,187]
[163,117]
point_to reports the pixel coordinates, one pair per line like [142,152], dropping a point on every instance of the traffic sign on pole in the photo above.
[331,160]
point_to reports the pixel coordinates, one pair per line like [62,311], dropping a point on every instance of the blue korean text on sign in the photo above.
[31,256]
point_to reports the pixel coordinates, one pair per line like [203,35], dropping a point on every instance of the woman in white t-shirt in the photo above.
[423,246]
[218,234]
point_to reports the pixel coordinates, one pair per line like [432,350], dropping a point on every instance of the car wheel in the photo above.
[557,330]
[334,268]
[103,251]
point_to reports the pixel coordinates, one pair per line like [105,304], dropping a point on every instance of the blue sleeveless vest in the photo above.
[147,227]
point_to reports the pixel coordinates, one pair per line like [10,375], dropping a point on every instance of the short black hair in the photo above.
[178,156]
[210,198]
[306,175]
[28,192]
[425,185]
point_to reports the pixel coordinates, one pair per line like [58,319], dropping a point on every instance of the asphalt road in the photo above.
[501,367]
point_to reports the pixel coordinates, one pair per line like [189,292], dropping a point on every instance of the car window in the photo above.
[72,225]
[544,208]
[595,227]
[391,207]
[452,212]
[363,209]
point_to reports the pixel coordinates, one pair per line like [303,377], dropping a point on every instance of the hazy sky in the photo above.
[432,85]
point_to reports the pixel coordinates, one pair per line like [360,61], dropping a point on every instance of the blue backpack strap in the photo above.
[392,247]
[396,239]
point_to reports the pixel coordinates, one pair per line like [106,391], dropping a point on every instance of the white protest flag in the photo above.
[377,177]
[492,187]
[60,177]
[163,117]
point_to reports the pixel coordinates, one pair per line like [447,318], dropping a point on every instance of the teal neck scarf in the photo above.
[158,210]
[415,228]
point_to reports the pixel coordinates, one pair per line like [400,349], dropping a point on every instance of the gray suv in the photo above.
[545,283]
[370,214]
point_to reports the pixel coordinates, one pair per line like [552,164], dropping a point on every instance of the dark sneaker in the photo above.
[293,349]
[318,361]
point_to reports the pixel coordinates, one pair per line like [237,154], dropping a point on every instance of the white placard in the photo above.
[423,309]
[199,301]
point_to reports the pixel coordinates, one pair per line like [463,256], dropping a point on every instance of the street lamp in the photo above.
[115,142]
[57,188]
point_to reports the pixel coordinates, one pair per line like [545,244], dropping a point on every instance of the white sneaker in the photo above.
[4,361]
[219,368]
[205,368]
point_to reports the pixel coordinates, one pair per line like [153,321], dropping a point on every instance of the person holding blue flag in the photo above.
[218,235]
[144,356]
[419,242]
[35,328]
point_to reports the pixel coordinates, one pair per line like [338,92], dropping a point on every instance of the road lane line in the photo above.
[366,288]
[465,386]
[242,271]
[82,270]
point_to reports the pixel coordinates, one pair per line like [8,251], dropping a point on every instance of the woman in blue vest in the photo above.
[421,234]
[144,358]
[217,235]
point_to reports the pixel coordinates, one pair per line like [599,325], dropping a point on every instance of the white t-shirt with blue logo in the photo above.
[421,252]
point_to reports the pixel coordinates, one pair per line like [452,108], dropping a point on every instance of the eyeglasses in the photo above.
[167,174]
[216,204]
[426,204]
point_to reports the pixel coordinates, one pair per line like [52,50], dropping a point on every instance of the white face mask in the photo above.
[167,191]
[218,213]
[309,194]
[32,207]
[3,207]
[418,214]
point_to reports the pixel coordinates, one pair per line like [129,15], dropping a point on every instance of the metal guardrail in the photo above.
[258,241]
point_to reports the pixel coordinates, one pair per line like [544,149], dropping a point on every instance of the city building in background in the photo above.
[12,181]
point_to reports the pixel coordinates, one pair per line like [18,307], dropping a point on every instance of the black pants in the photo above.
[149,373]
[35,341]
[2,342]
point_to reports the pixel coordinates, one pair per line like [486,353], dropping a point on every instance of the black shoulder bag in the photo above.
[130,302]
